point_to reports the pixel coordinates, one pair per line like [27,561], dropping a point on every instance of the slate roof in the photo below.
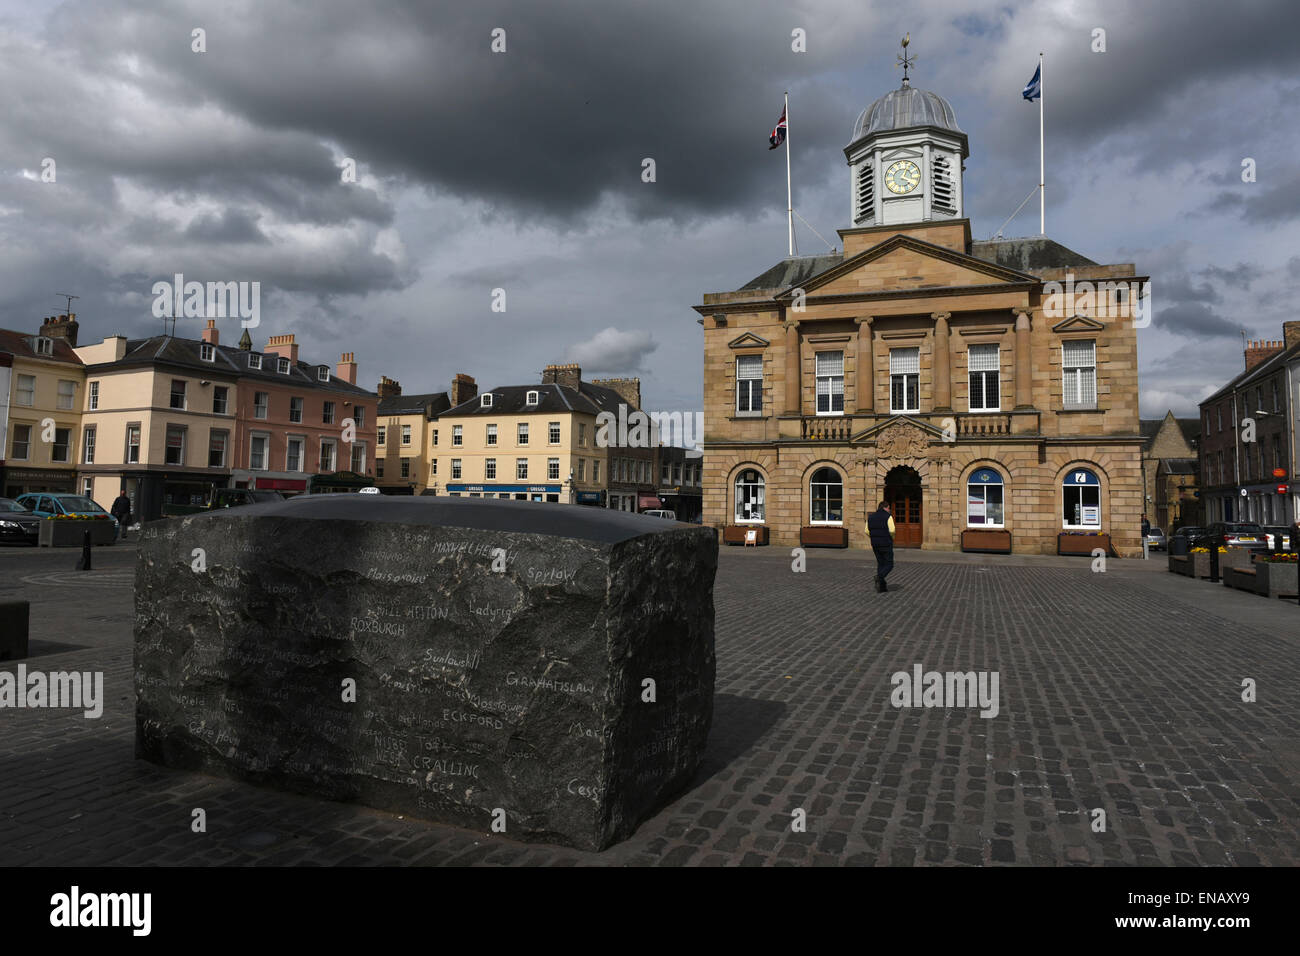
[791,272]
[431,404]
[228,361]
[19,343]
[587,399]
[1031,254]
[1263,369]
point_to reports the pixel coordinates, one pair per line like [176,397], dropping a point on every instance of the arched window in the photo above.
[984,502]
[826,495]
[749,496]
[1081,499]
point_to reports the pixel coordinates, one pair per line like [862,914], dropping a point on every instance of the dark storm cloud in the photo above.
[1196,320]
[229,226]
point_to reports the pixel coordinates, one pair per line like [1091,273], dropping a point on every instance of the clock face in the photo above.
[902,177]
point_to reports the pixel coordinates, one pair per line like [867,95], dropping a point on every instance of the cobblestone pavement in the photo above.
[1118,691]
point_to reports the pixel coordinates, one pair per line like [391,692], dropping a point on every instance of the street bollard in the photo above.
[1146,545]
[1214,561]
[84,563]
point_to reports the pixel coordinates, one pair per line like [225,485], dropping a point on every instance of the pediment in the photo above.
[899,424]
[1078,323]
[748,341]
[902,263]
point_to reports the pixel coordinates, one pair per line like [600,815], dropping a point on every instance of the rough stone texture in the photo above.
[475,689]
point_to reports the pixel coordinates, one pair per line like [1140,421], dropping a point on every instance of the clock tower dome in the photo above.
[906,158]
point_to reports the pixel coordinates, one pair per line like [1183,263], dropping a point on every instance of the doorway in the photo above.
[903,494]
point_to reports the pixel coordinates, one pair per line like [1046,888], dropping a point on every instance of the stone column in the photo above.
[1023,361]
[942,363]
[793,367]
[866,367]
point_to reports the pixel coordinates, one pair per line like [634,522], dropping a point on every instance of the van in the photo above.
[661,513]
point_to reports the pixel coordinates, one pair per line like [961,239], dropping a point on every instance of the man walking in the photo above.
[121,510]
[1146,527]
[880,526]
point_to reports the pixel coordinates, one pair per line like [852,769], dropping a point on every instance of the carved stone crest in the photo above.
[901,441]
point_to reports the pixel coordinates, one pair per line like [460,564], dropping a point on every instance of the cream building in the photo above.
[46,386]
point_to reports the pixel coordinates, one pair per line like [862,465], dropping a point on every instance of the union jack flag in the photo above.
[778,134]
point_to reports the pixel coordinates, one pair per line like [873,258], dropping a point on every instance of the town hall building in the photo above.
[986,389]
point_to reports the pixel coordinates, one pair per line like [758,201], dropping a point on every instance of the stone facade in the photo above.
[896,317]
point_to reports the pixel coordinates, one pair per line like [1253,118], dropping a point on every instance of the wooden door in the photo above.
[905,505]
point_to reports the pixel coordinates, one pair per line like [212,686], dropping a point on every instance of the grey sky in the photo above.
[522,170]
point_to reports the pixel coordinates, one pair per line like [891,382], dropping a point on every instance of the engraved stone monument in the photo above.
[538,670]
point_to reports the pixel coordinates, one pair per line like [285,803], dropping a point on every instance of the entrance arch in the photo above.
[903,494]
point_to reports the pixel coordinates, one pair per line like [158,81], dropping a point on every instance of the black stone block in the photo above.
[498,649]
[15,621]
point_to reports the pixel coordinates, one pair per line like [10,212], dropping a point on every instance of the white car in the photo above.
[661,513]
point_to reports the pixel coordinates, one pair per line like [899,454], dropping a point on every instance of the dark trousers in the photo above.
[884,561]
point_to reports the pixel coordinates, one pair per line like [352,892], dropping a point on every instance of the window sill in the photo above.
[1079,411]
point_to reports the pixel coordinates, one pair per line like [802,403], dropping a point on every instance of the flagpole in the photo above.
[789,202]
[1042,187]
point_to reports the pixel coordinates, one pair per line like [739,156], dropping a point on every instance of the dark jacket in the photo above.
[121,509]
[878,529]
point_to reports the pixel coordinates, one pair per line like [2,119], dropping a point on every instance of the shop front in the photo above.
[593,498]
[162,494]
[337,483]
[550,493]
[20,481]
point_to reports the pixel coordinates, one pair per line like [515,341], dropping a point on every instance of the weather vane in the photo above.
[904,60]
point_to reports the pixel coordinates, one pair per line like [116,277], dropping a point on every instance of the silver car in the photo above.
[1156,540]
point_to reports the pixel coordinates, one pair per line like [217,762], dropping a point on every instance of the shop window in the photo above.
[826,494]
[984,499]
[749,496]
[1081,498]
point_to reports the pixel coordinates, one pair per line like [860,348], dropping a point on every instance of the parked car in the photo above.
[1238,534]
[1183,539]
[17,523]
[234,497]
[52,504]
[1275,533]
[1156,540]
[661,513]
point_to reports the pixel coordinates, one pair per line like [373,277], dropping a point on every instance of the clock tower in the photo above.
[906,158]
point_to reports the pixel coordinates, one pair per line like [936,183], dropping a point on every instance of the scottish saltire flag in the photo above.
[778,134]
[1034,88]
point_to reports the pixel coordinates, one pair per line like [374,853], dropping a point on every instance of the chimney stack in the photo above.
[462,389]
[1291,333]
[628,388]
[1261,351]
[570,375]
[210,334]
[347,368]
[388,388]
[283,346]
[61,327]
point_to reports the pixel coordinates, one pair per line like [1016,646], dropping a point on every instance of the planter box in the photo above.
[824,537]
[986,541]
[1242,579]
[1082,543]
[60,533]
[735,533]
[1275,580]
[1190,565]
